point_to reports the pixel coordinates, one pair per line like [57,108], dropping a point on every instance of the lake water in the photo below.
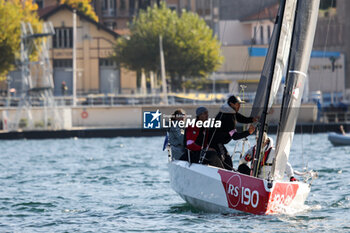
[122,184]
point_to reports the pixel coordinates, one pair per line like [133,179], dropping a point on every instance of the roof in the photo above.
[123,32]
[269,12]
[47,12]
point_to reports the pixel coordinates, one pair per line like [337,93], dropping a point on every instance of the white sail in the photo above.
[303,37]
[275,64]
[285,37]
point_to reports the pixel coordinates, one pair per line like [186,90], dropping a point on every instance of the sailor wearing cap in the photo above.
[229,115]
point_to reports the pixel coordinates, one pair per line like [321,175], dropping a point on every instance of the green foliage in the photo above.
[83,6]
[23,123]
[12,12]
[39,124]
[190,49]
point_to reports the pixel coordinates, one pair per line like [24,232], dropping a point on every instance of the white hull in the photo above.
[217,190]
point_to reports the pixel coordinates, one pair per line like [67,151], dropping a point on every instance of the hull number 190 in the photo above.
[247,197]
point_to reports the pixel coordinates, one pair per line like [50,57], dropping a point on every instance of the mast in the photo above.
[255,168]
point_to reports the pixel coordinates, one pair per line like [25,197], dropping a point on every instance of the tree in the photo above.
[190,49]
[83,6]
[12,13]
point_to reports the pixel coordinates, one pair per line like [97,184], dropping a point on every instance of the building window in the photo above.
[131,7]
[207,7]
[254,35]
[108,7]
[261,34]
[62,63]
[122,4]
[63,38]
[172,7]
[188,5]
[143,4]
[199,7]
[111,4]
[203,7]
[104,5]
[106,62]
[269,32]
[110,25]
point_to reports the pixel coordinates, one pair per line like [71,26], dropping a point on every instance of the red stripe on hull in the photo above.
[248,194]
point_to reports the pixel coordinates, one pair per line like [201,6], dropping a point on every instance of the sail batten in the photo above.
[304,31]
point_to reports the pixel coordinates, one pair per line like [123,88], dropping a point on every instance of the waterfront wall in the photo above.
[132,116]
[37,118]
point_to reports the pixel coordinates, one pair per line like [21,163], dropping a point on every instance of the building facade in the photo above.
[245,41]
[241,24]
[96,71]
[333,31]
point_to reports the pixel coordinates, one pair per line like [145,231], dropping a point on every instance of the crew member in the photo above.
[196,141]
[228,116]
[266,161]
[176,135]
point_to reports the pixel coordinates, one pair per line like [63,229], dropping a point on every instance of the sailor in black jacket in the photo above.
[228,116]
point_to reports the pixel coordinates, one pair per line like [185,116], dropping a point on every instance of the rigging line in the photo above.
[328,27]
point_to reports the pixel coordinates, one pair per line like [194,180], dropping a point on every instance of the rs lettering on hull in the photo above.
[248,194]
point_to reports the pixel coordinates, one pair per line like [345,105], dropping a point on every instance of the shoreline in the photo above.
[137,132]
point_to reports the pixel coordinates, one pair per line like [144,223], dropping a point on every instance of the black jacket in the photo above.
[228,123]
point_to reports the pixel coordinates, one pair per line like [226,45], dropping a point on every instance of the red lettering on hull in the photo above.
[282,195]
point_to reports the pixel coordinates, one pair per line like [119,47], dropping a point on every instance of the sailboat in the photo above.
[218,190]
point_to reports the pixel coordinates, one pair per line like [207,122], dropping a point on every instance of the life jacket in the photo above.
[266,154]
[194,137]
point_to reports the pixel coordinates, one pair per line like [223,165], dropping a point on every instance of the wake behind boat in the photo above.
[219,190]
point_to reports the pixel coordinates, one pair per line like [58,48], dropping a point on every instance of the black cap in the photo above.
[233,99]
